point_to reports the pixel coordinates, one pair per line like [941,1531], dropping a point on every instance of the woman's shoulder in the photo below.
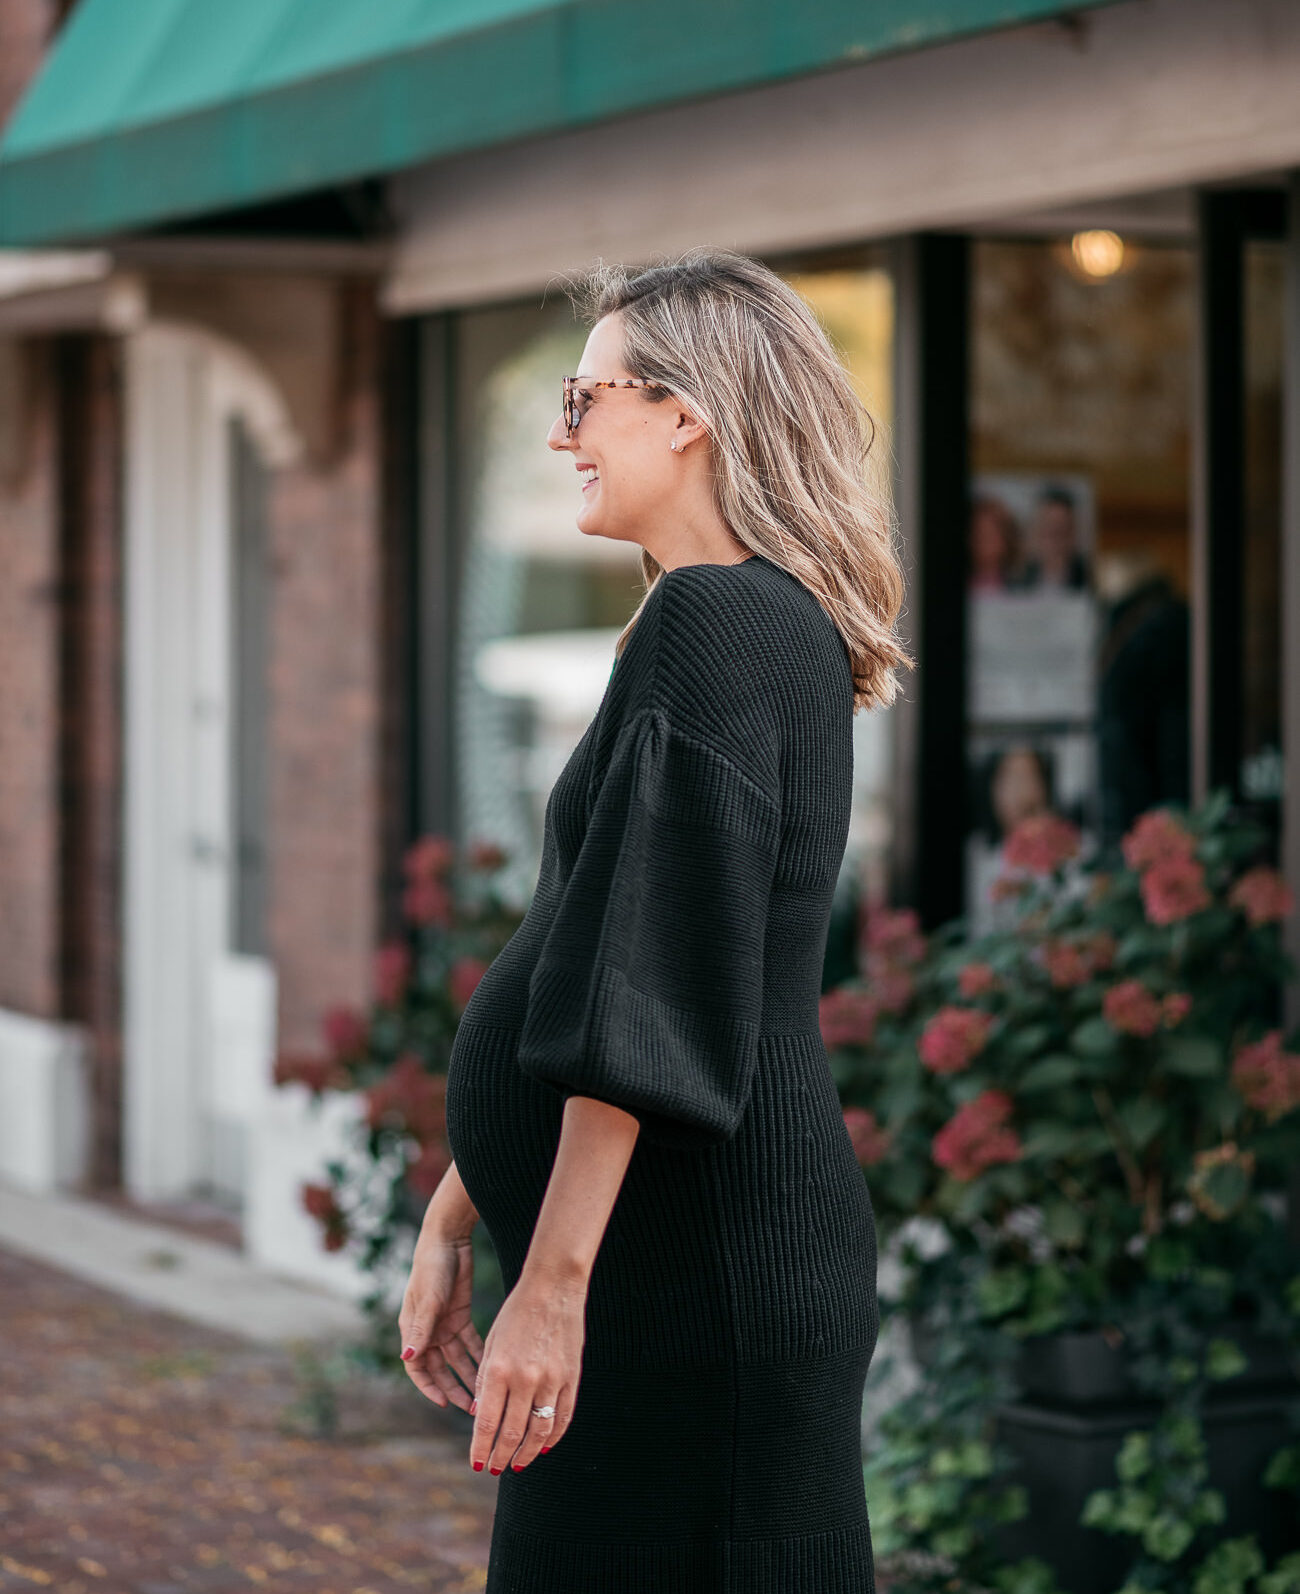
[741,625]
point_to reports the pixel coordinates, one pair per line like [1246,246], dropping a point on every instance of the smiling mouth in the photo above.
[589,479]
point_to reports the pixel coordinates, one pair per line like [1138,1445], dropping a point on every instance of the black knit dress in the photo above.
[670,963]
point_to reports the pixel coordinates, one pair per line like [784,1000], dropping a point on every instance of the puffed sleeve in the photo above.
[648,989]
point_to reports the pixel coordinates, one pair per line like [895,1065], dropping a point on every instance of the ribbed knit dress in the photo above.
[670,963]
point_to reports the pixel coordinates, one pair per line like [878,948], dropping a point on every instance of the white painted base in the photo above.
[44,1104]
[289,1144]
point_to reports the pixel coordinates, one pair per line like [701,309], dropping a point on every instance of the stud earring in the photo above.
[673,445]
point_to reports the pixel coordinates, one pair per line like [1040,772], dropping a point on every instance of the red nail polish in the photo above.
[545,1448]
[473,1407]
[495,1471]
[516,1466]
[408,1353]
[478,1466]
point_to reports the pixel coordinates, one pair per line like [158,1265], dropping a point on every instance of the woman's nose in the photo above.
[556,438]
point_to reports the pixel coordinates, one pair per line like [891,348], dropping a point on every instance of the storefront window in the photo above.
[1078,622]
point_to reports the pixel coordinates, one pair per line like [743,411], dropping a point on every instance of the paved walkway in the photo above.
[144,1454]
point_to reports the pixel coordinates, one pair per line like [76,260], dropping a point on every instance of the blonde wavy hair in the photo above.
[790,437]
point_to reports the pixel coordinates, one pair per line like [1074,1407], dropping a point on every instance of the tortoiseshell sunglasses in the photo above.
[572,414]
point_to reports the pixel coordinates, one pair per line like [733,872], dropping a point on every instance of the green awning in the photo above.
[151,111]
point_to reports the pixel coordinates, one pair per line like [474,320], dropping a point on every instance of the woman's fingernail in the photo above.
[473,1407]
[494,1471]
[516,1466]
[545,1448]
[478,1466]
[408,1353]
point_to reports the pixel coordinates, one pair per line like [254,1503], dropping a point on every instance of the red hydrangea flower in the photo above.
[847,1017]
[462,978]
[1268,1077]
[320,1202]
[893,989]
[392,971]
[1175,1008]
[1067,963]
[1042,843]
[410,1100]
[485,856]
[427,901]
[1132,1009]
[870,1141]
[952,1038]
[1157,837]
[1263,896]
[429,858]
[893,937]
[1174,889]
[345,1033]
[977,1136]
[976,979]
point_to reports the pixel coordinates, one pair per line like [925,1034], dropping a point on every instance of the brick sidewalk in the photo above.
[140,1454]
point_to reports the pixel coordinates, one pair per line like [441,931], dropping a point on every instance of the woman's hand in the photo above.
[532,1357]
[439,1340]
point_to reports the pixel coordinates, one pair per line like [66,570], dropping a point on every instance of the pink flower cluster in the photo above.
[976,979]
[1132,1009]
[977,1136]
[952,1038]
[1268,1077]
[320,1202]
[847,1017]
[426,898]
[1041,844]
[346,1034]
[891,944]
[870,1140]
[1172,877]
[410,1100]
[392,972]
[1073,963]
[1263,896]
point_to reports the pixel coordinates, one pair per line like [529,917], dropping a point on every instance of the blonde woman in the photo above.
[639,1102]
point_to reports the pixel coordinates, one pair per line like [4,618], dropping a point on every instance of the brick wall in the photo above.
[29,690]
[325,711]
[26,27]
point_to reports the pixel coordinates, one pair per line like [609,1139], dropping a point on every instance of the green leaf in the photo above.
[1064,1224]
[1191,1057]
[1284,1578]
[1094,1038]
[1167,1536]
[1229,1567]
[1030,1576]
[1002,1290]
[1050,1072]
[1100,1510]
[1224,1359]
[1283,1471]
[1134,1459]
[1141,1119]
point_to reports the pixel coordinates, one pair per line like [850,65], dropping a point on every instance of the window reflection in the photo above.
[1078,634]
[540,604]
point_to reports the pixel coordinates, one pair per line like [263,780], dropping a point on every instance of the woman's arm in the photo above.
[533,1352]
[450,1214]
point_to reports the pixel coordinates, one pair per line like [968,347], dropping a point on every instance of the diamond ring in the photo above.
[543,1411]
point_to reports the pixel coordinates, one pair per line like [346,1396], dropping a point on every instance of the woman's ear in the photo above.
[687,429]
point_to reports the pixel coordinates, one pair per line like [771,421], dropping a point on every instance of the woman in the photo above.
[639,1103]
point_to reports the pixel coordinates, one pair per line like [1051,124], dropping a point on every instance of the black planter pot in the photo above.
[1078,1401]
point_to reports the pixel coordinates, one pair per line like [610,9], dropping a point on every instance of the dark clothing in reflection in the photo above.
[1076,578]
[1143,722]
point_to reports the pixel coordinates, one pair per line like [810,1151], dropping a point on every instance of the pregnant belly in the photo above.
[503,1128]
